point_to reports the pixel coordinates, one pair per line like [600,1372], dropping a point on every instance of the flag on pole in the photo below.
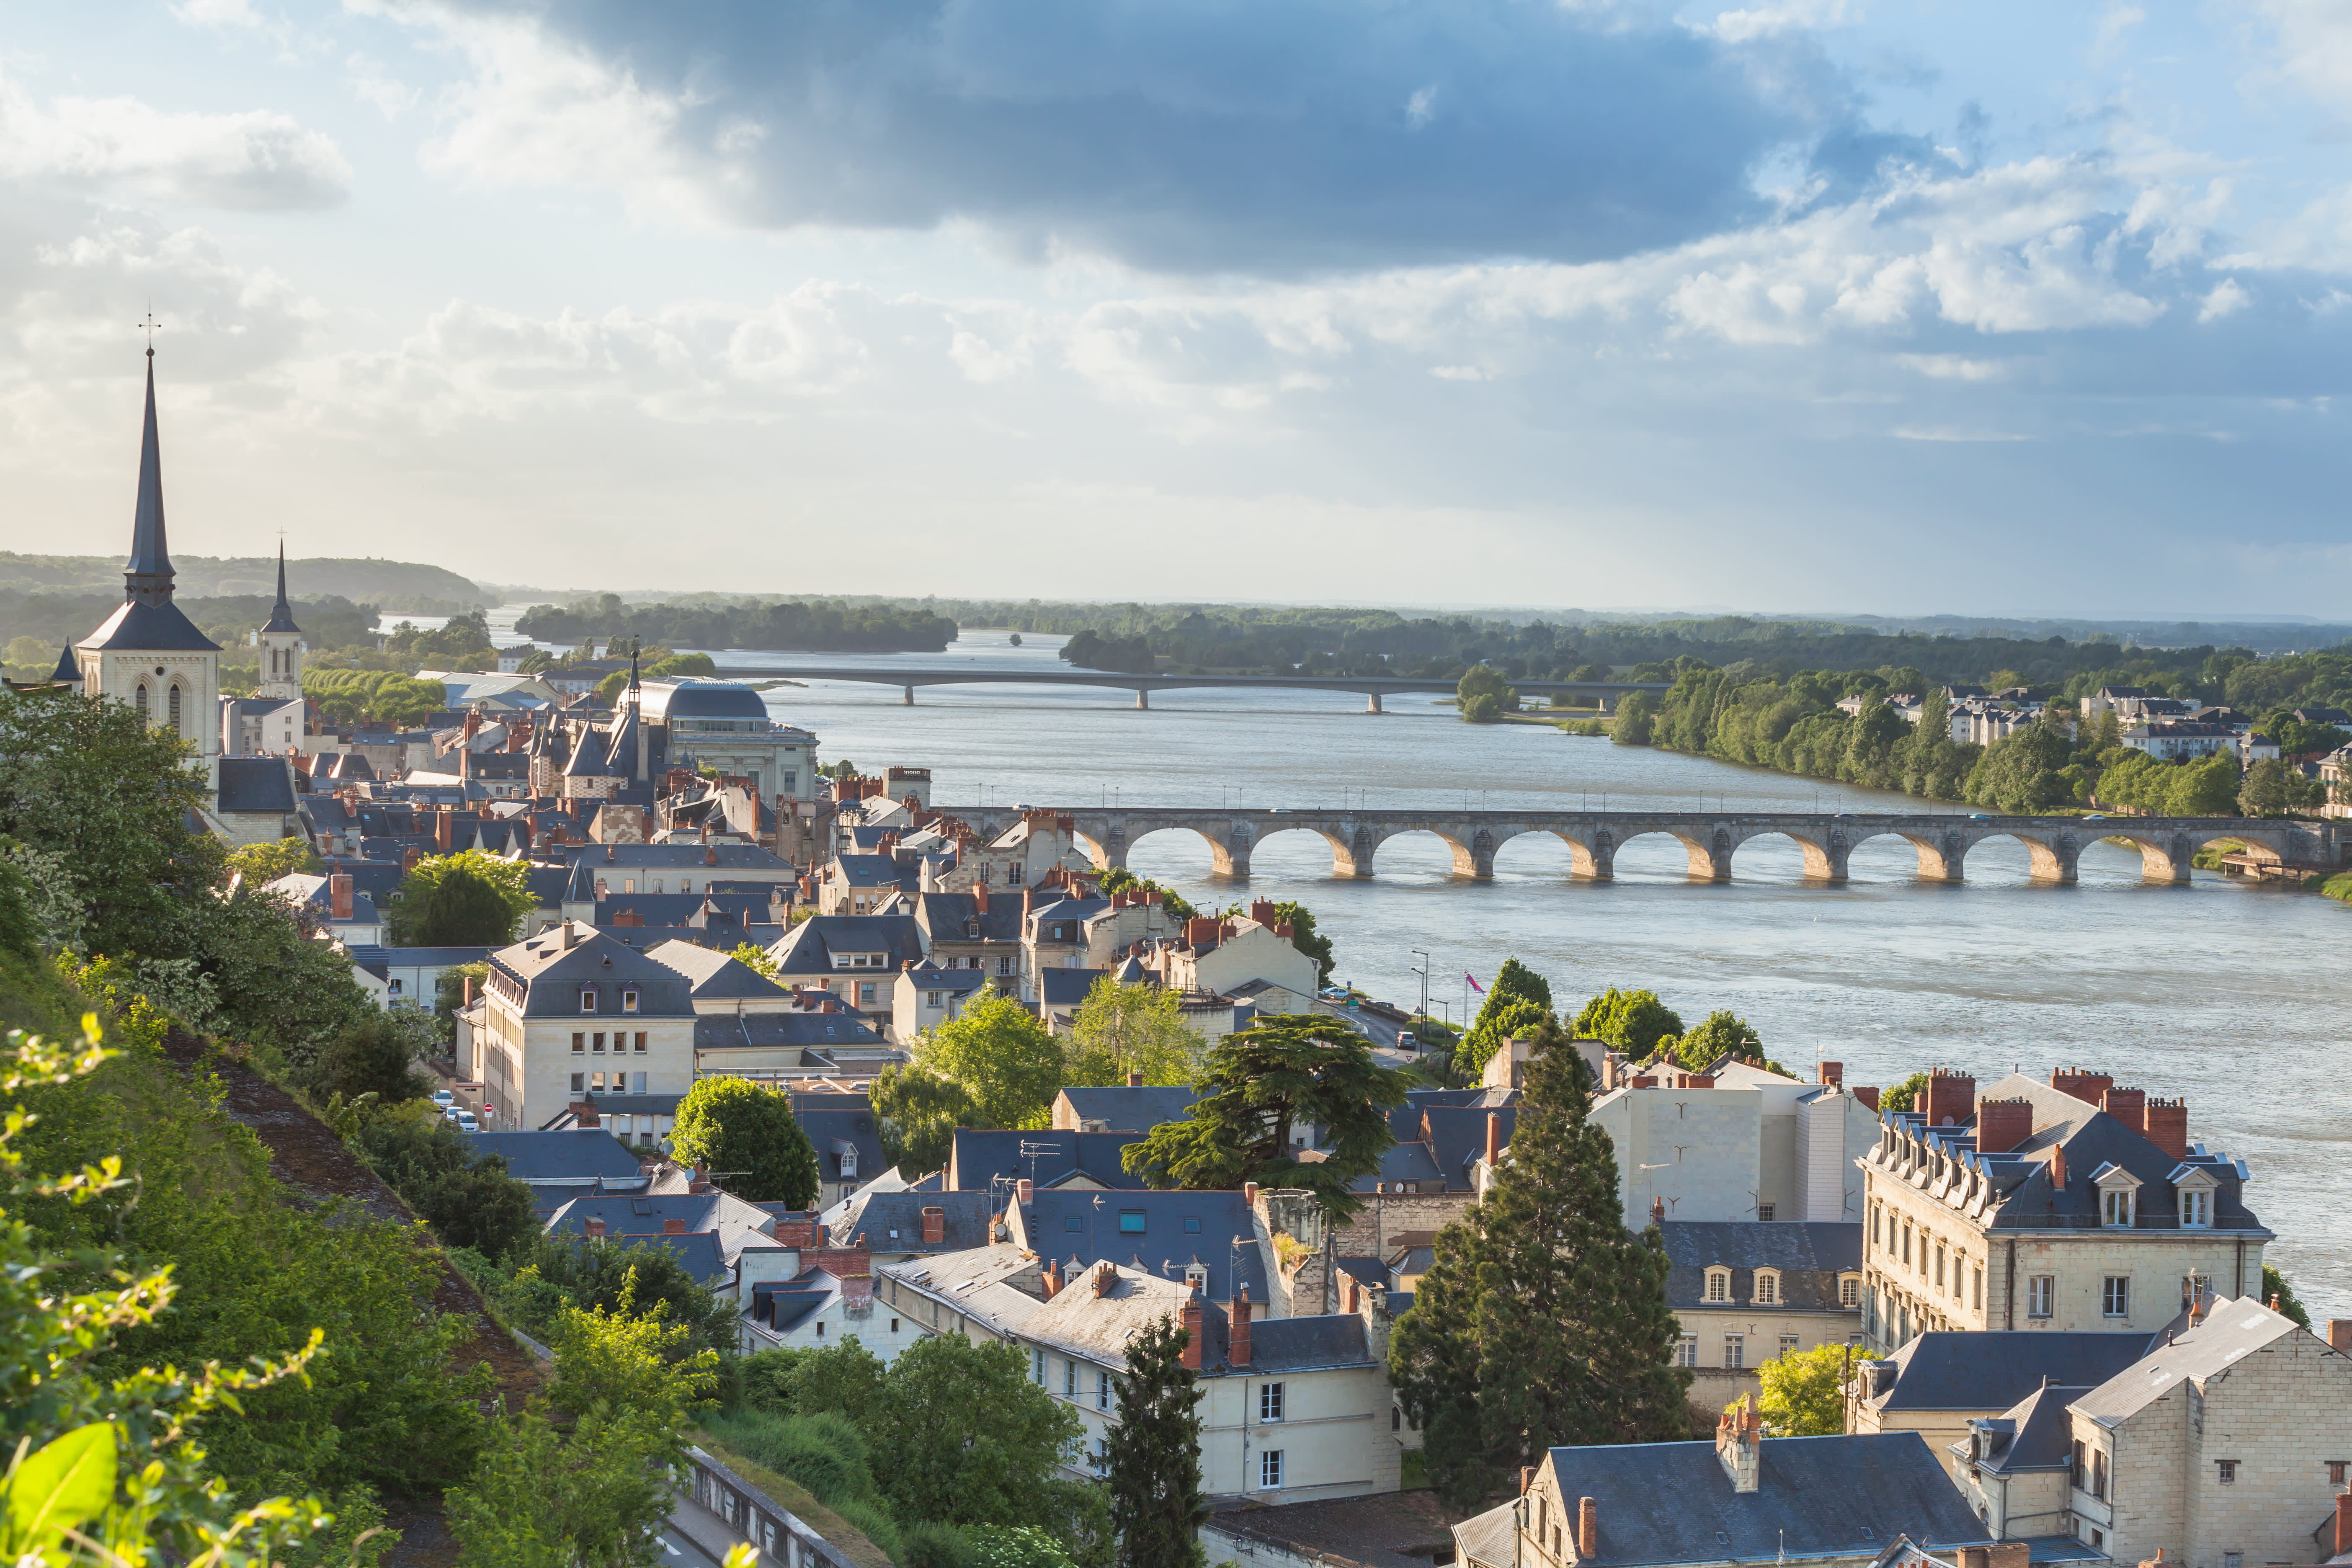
[1472,980]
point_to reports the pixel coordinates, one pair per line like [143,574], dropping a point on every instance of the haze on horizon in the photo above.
[1928,308]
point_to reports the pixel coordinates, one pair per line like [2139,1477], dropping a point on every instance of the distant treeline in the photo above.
[406,586]
[816,625]
[58,618]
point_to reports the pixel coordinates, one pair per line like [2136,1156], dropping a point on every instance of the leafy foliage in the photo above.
[1304,936]
[259,863]
[536,1284]
[1001,1056]
[1155,1454]
[1803,1393]
[1720,1034]
[385,695]
[1632,1021]
[918,1112]
[734,1125]
[1287,1071]
[2276,1288]
[1904,1096]
[960,1434]
[1120,880]
[375,1055]
[467,899]
[468,1199]
[1518,1001]
[1121,1030]
[816,625]
[1484,695]
[1541,1321]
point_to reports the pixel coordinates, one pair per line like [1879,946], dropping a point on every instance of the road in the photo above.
[1381,1032]
[679,1552]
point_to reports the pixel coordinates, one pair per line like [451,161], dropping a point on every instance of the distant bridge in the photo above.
[1603,694]
[2166,844]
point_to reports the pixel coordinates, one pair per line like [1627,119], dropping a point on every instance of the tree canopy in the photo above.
[1518,1001]
[1804,1392]
[1292,1070]
[1001,1056]
[1632,1021]
[919,1111]
[467,899]
[1121,1030]
[734,1126]
[1155,1454]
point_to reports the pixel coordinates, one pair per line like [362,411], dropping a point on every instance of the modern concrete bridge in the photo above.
[1601,693]
[2166,844]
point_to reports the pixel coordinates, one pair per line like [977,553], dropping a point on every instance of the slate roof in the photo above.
[1122,1108]
[893,1222]
[929,976]
[777,1031]
[164,628]
[1162,1247]
[2232,1329]
[740,859]
[837,1131]
[68,669]
[2034,1434]
[257,785]
[1949,1369]
[1067,987]
[730,1221]
[1810,1256]
[949,917]
[980,1154]
[1661,1503]
[555,976]
[717,977]
[808,948]
[558,1156]
[864,870]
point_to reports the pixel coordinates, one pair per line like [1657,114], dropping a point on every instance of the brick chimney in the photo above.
[1494,1138]
[1740,1444]
[1950,1097]
[443,828]
[1699,1080]
[1024,1192]
[595,1229]
[710,852]
[1832,1073]
[1190,1357]
[1657,1211]
[1105,1276]
[2343,1542]
[1238,1330]
[470,993]
[699,1179]
[1262,911]
[2058,1167]
[1050,1278]
[1249,1195]
[1347,1294]
[1527,1478]
[1587,1528]
[795,1230]
[2128,1106]
[1286,931]
[935,1226]
[1867,1093]
[2167,1126]
[2339,1335]
[979,898]
[1028,902]
[673,1228]
[409,858]
[338,894]
[1135,1081]
[1201,930]
[2081,1085]
[2003,1124]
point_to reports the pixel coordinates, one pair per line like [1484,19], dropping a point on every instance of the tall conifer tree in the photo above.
[1543,1320]
[1155,1454]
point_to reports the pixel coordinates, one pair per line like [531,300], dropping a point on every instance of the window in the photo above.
[2226,1471]
[1849,1293]
[139,701]
[641,1083]
[1939,1266]
[629,999]
[596,1083]
[1196,1275]
[2115,1206]
[578,1082]
[1041,1369]
[175,705]
[934,999]
[1718,1284]
[587,999]
[2098,1472]
[1102,1389]
[596,1043]
[393,987]
[1131,1222]
[1269,1402]
[1070,1379]
[1073,1222]
[1192,1225]
[1788,1344]
[629,885]
[820,1331]
[849,1163]
[1735,1350]
[1906,1247]
[1269,1470]
[2041,1292]
[2114,1297]
[1768,1288]
[1004,966]
[2196,1209]
[1873,1225]
[641,1041]
[1764,1211]
[2234,1560]
[2336,1469]
[579,1045]
[1976,1289]
[1687,1350]
[2079,1471]
[866,994]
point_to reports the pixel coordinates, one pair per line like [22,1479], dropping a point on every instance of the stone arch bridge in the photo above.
[2166,844]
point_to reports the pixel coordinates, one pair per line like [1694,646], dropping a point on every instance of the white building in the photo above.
[1745,1145]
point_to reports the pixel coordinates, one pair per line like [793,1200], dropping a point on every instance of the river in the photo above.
[2217,992]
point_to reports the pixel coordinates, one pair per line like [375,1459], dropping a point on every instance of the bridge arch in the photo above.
[1942,851]
[1825,853]
[1467,853]
[1709,855]
[1342,857]
[1229,853]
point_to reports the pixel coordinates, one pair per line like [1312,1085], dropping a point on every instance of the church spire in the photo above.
[147,578]
[281,613]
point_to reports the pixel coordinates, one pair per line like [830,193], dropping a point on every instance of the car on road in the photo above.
[2095,817]
[465,1122]
[444,1100]
[1405,1041]
[1980,816]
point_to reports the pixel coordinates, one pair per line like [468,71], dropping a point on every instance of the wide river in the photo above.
[2234,996]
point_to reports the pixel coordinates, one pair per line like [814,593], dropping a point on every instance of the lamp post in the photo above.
[1423,972]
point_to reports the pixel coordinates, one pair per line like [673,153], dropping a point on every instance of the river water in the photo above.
[2234,996]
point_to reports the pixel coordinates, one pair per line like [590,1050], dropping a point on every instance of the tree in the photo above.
[1515,1003]
[2276,1289]
[1291,1070]
[1121,1030]
[1484,695]
[1001,1056]
[1155,1454]
[847,1377]
[1632,1021]
[2208,787]
[467,900]
[1804,1392]
[1541,1321]
[468,1199]
[754,956]
[1120,880]
[1304,937]
[376,1056]
[959,1433]
[732,1125]
[1904,1096]
[1720,1034]
[920,1113]
[259,863]
[1636,720]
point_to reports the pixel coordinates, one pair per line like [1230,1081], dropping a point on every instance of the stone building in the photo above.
[1744,1292]
[1738,1145]
[2070,1206]
[572,1013]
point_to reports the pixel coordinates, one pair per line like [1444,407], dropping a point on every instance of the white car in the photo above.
[465,1122]
[444,1100]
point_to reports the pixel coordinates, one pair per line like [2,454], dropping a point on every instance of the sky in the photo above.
[1901,306]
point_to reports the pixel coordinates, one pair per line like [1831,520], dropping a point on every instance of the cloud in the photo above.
[1170,134]
[254,160]
[1953,367]
[217,13]
[2226,300]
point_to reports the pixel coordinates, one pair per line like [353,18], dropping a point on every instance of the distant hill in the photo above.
[387,584]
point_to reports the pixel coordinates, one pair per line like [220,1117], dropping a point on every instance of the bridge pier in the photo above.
[910,697]
[1710,858]
[2054,858]
[1372,703]
[1595,860]
[2170,861]
[1826,862]
[1941,856]
[1229,853]
[1142,698]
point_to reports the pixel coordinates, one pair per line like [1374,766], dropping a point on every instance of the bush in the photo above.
[764,1379]
[372,1056]
[467,1198]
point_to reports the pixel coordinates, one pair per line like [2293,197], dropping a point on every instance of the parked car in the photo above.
[1405,1041]
[444,1100]
[465,1122]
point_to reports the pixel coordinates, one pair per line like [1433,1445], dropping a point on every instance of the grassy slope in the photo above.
[800,1502]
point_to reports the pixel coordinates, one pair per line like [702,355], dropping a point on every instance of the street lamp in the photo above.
[1423,972]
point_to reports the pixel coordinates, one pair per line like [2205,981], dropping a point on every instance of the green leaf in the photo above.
[66,1484]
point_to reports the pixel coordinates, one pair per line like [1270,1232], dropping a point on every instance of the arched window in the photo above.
[138,699]
[174,710]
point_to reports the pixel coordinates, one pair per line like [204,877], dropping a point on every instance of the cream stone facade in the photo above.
[2074,1219]
[571,1012]
[1749,1146]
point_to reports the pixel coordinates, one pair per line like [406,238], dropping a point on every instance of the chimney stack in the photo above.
[1527,1478]
[2128,1106]
[1587,1528]
[1238,1330]
[1950,1097]
[1262,911]
[2343,1542]
[1494,1138]
[1105,1275]
[1832,1073]
[595,1229]
[338,894]
[2339,1335]
[1249,1195]
[1868,1094]
[2003,1124]
[673,1228]
[1135,1081]
[935,1226]
[2167,1126]
[1051,1279]
[2058,1167]
[1024,1192]
[1657,1211]
[1190,1357]
[1738,1444]
[2081,1085]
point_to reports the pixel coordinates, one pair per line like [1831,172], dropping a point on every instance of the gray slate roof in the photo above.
[715,975]
[257,785]
[808,948]
[1809,1257]
[2233,1328]
[893,1222]
[2034,1434]
[555,976]
[1947,1370]
[1067,987]
[164,628]
[556,1156]
[1163,1247]
[980,1154]
[771,1031]
[1122,1108]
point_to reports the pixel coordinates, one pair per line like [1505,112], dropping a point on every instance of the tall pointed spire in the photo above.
[147,577]
[281,615]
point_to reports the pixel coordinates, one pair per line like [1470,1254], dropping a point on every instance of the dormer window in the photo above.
[1850,1292]
[2115,1208]
[1768,1287]
[2195,1188]
[587,999]
[1718,1284]
[1196,1275]
[849,1161]
[629,1000]
[2118,1192]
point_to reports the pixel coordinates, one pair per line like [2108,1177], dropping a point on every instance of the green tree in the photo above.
[1121,1030]
[376,1056]
[259,863]
[1515,1003]
[734,1125]
[1155,1454]
[1637,718]
[1720,1034]
[847,1377]
[1541,1321]
[920,1113]
[2023,772]
[1120,880]
[1484,695]
[1632,1021]
[1904,1096]
[751,955]
[1001,1056]
[468,1199]
[467,900]
[2208,787]
[2276,1289]
[1804,1392]
[1305,938]
[959,1433]
[1291,1070]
